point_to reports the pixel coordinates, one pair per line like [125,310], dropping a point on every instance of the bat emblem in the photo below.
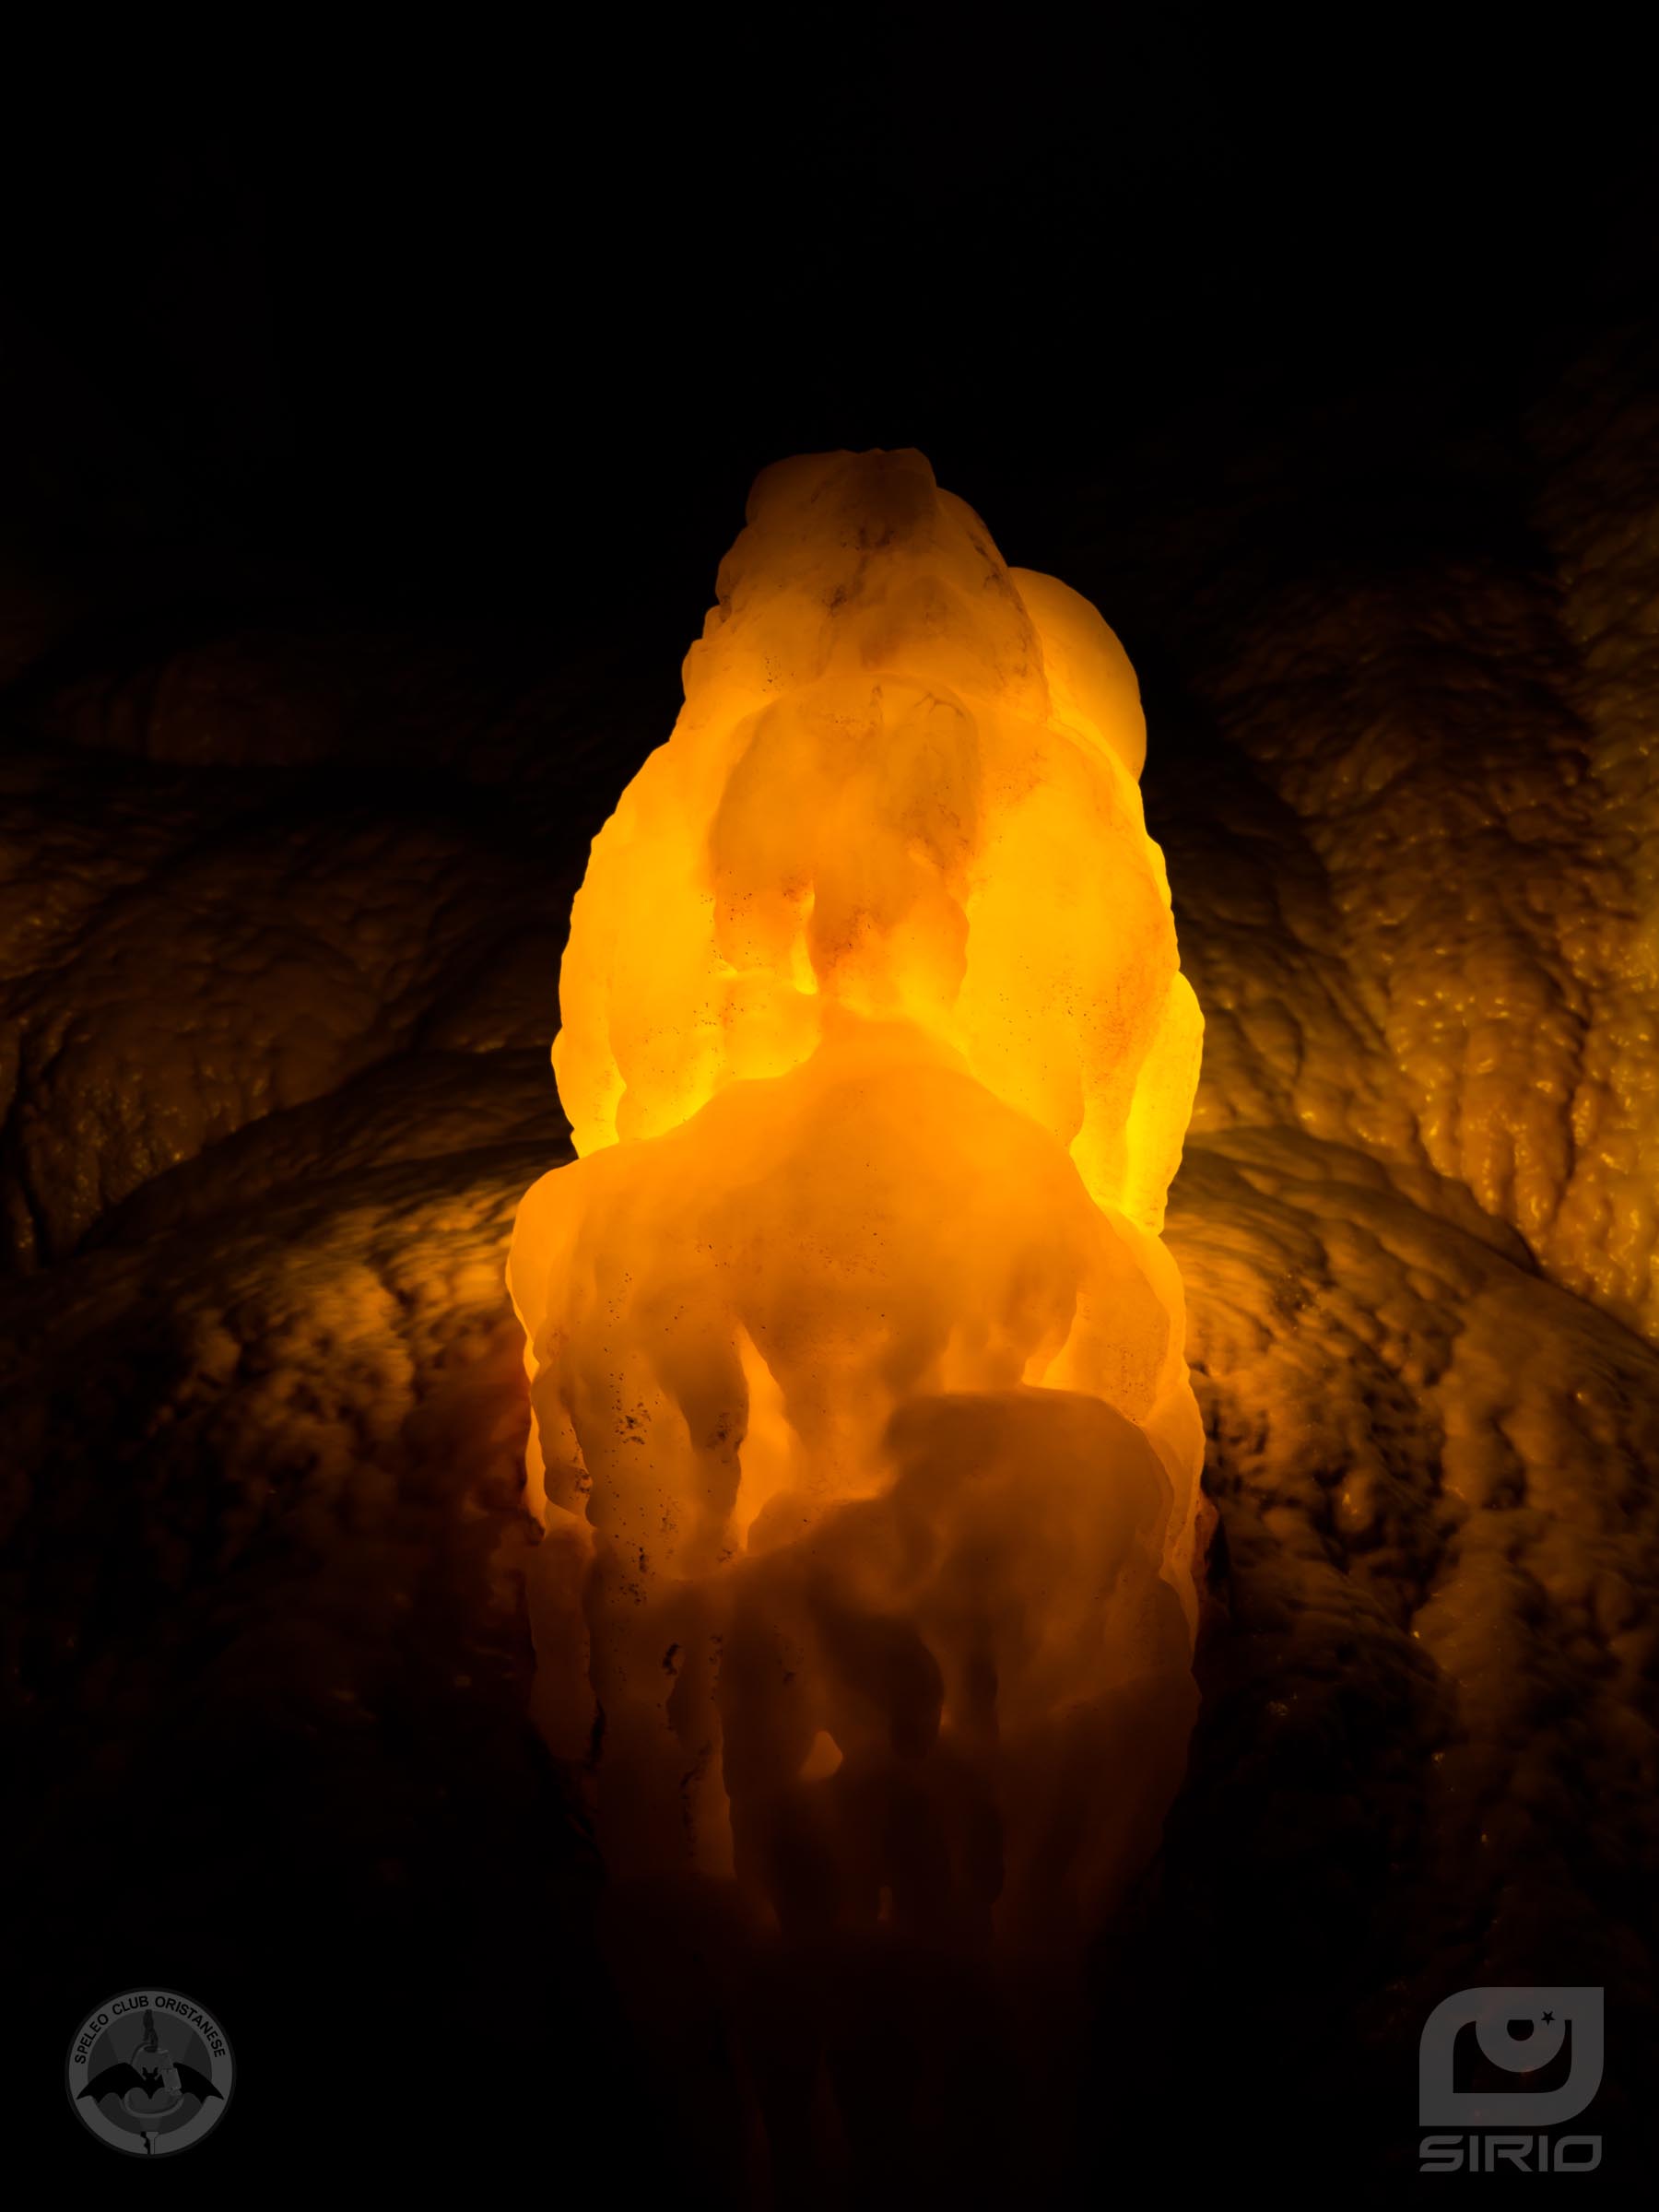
[153,2098]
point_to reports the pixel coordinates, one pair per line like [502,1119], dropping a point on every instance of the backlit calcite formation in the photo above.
[864,1438]
[260,1389]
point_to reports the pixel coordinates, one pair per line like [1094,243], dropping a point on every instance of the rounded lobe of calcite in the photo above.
[904,785]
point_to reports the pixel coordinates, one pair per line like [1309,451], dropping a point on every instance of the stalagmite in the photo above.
[863,1443]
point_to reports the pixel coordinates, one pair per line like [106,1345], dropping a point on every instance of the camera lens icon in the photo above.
[1520,2031]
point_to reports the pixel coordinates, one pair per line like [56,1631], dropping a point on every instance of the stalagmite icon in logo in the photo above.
[149,2071]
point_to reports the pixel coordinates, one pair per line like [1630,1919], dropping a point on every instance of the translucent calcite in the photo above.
[863,1442]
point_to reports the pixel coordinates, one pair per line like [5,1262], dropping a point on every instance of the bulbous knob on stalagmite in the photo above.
[904,782]
[864,1444]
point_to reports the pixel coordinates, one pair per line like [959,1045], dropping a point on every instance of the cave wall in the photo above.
[280,910]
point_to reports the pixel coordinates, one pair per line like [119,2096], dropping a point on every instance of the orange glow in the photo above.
[863,1442]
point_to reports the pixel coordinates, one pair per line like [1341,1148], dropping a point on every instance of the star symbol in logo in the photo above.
[1548,2018]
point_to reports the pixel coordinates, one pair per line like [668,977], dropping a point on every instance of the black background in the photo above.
[508,329]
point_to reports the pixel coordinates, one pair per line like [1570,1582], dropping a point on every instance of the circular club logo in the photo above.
[149,2071]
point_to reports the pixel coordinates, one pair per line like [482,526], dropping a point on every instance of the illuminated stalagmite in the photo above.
[863,1440]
